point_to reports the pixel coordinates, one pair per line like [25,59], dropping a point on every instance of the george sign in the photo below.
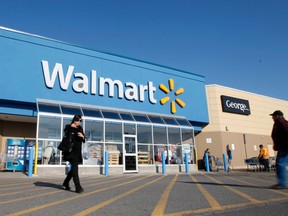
[235,105]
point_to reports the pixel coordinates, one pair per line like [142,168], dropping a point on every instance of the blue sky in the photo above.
[241,44]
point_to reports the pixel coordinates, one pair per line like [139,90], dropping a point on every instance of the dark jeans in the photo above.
[73,173]
[265,163]
[281,163]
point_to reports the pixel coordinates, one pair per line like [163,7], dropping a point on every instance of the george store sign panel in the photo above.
[235,105]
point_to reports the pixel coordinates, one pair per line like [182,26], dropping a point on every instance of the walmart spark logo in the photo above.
[173,103]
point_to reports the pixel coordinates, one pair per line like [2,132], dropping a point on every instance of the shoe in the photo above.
[66,187]
[277,186]
[79,190]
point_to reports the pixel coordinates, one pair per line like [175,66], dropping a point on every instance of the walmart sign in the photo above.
[81,83]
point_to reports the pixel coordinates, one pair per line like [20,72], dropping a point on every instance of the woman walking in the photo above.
[75,132]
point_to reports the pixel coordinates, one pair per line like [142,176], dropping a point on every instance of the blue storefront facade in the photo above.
[133,109]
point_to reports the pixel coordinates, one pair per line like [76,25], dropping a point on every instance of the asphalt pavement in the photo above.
[200,193]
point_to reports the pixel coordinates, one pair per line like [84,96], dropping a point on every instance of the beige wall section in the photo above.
[228,128]
[15,130]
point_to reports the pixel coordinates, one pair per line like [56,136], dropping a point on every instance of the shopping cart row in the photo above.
[253,164]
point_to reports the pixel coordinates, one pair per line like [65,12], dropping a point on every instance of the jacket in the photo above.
[280,134]
[76,154]
[263,154]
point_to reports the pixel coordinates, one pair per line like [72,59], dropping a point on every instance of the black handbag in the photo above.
[66,145]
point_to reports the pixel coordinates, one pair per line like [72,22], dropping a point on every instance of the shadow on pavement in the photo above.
[230,185]
[48,184]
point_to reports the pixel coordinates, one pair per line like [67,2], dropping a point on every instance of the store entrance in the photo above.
[130,161]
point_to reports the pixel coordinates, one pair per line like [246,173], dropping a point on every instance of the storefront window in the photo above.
[152,139]
[174,136]
[145,154]
[187,135]
[144,134]
[187,144]
[51,155]
[49,127]
[158,149]
[95,153]
[129,129]
[156,119]
[92,113]
[71,110]
[66,121]
[52,108]
[113,132]
[171,121]
[126,116]
[159,134]
[115,152]
[94,130]
[110,114]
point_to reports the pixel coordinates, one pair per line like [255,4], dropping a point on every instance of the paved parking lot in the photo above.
[220,193]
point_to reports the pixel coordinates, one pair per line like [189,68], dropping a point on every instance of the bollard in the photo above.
[106,163]
[225,163]
[163,162]
[207,162]
[30,165]
[186,163]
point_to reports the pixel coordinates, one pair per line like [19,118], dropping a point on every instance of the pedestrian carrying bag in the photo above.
[66,145]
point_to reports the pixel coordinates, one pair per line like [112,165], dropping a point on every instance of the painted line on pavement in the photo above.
[108,202]
[211,200]
[49,193]
[26,211]
[160,207]
[246,196]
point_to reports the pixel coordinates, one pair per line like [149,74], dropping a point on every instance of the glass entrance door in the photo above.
[130,162]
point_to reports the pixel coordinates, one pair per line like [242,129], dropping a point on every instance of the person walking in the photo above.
[280,140]
[263,157]
[229,155]
[75,132]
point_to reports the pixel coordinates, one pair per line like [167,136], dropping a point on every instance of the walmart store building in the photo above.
[132,109]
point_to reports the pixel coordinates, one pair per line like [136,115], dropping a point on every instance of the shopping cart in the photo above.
[253,164]
[272,163]
[217,164]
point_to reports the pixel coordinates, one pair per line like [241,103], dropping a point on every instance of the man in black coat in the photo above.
[280,139]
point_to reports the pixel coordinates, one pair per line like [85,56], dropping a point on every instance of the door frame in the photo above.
[130,154]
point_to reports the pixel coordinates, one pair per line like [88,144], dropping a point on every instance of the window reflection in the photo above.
[49,127]
[174,136]
[113,132]
[144,134]
[129,128]
[160,136]
[94,130]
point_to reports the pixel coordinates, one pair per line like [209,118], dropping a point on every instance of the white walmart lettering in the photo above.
[128,90]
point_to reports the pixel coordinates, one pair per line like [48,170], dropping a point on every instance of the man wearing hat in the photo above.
[280,140]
